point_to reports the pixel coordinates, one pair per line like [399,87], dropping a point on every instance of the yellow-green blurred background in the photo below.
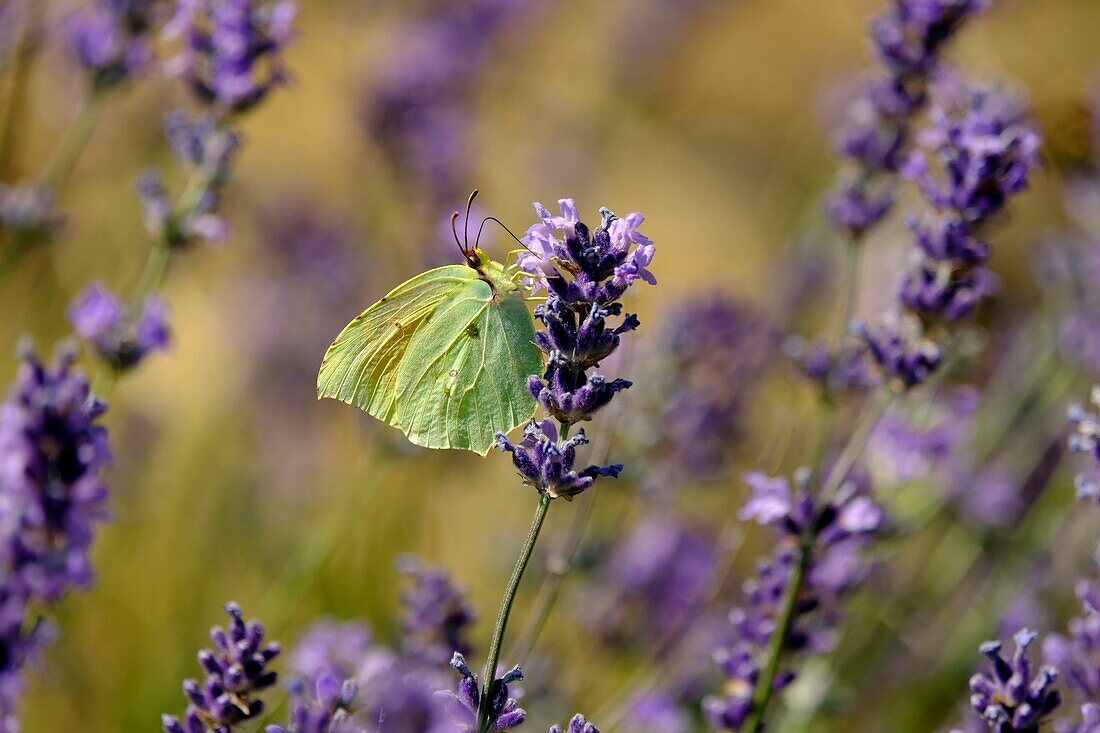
[230,482]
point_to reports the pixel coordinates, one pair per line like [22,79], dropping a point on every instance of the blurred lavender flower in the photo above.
[420,111]
[112,39]
[332,650]
[577,725]
[835,372]
[205,147]
[1066,268]
[1085,438]
[1007,697]
[874,137]
[28,211]
[232,49]
[827,541]
[236,670]
[100,318]
[53,452]
[911,444]
[901,352]
[326,710]
[461,706]
[656,712]
[1077,655]
[436,614]
[653,579]
[1090,721]
[715,349]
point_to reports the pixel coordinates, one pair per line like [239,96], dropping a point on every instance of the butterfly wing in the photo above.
[464,374]
[361,365]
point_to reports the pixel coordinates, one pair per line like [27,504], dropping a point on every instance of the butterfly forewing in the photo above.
[441,358]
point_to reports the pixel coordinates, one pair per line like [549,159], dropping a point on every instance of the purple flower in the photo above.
[836,372]
[856,205]
[1077,655]
[28,210]
[206,148]
[984,152]
[577,725]
[910,35]
[338,651]
[1085,438]
[1007,697]
[421,109]
[111,38]
[52,452]
[903,355]
[236,671]
[99,318]
[547,464]
[326,710]
[711,352]
[827,541]
[656,712]
[232,49]
[436,614]
[654,579]
[461,706]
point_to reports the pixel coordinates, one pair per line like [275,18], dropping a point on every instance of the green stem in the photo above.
[765,686]
[67,153]
[488,677]
[557,568]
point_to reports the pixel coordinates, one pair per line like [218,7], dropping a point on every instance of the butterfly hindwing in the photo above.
[464,373]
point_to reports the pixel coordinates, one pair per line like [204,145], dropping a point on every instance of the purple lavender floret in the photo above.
[876,132]
[903,355]
[100,318]
[833,535]
[326,710]
[984,153]
[909,38]
[205,147]
[585,274]
[112,38]
[461,706]
[232,49]
[53,452]
[834,371]
[236,671]
[436,614]
[1090,721]
[1007,696]
[1077,655]
[1085,438]
[28,210]
[546,463]
[577,725]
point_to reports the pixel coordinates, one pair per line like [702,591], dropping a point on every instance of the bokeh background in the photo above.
[231,481]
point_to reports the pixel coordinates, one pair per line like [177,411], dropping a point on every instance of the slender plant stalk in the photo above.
[488,677]
[765,686]
[61,164]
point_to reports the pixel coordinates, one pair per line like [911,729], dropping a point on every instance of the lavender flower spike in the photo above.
[236,670]
[1007,697]
[577,725]
[231,57]
[547,464]
[461,706]
[100,318]
[1085,438]
[436,614]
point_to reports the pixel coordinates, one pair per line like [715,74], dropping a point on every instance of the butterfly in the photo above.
[444,357]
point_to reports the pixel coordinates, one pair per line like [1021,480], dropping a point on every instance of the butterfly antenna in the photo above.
[502,226]
[466,224]
[454,232]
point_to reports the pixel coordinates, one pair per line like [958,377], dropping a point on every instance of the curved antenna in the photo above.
[466,224]
[454,233]
[502,226]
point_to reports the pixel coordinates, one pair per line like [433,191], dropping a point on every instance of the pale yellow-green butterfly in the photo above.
[444,357]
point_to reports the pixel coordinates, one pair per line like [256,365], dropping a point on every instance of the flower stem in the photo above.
[488,677]
[61,163]
[765,685]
